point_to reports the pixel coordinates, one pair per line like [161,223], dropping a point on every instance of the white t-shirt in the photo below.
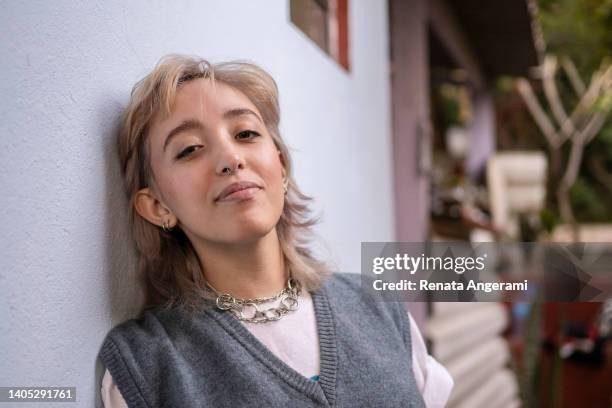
[294,340]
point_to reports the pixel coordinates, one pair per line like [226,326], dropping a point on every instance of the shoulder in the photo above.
[352,284]
[345,290]
[127,336]
[350,281]
[134,349]
[152,330]
[347,280]
[146,325]
[154,323]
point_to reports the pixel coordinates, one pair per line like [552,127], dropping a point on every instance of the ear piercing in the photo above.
[166,226]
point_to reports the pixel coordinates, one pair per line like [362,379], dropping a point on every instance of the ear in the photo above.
[151,208]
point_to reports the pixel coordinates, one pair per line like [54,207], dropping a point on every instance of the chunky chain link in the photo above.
[248,310]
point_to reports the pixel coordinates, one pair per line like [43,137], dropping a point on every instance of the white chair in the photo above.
[517,185]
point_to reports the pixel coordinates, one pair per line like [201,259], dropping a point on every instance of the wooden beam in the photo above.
[449,32]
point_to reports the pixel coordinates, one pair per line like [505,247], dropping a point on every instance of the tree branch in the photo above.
[526,91]
[574,77]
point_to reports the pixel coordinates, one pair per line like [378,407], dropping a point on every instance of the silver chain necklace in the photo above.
[248,309]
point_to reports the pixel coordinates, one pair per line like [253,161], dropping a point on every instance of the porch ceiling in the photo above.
[500,33]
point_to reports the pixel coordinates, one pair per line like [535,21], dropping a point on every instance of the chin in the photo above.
[249,231]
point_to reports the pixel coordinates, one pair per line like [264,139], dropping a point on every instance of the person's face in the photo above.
[213,128]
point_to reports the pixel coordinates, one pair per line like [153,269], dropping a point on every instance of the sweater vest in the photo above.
[173,358]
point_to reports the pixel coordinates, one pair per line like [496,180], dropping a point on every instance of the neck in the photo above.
[244,270]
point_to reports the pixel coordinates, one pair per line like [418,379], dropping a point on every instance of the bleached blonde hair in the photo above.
[167,262]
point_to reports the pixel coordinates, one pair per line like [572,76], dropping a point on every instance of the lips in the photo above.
[232,188]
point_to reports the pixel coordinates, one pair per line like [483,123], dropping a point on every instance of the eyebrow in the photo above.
[232,113]
[189,124]
[194,124]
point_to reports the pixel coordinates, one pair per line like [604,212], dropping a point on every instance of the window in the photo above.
[326,23]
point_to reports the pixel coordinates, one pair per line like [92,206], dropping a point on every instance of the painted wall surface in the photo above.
[482,134]
[66,270]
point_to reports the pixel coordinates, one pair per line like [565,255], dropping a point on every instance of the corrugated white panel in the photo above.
[452,333]
[440,309]
[474,367]
[515,403]
[465,338]
[499,390]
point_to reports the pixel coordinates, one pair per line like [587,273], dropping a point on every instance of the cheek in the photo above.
[187,190]
[271,163]
[274,180]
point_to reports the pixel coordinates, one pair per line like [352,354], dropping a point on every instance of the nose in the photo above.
[229,157]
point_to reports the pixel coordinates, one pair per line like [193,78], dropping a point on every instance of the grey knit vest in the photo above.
[175,359]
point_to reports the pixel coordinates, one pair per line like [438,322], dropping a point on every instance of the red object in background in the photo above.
[582,312]
[582,384]
[593,332]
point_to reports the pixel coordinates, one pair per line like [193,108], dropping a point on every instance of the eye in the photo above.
[188,150]
[247,134]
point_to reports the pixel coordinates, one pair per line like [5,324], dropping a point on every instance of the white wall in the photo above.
[67,68]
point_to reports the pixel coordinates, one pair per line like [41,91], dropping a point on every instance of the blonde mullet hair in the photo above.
[167,262]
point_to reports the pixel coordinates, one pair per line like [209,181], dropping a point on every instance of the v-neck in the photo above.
[323,390]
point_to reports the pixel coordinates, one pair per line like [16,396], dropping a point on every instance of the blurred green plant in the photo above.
[549,220]
[582,30]
[530,373]
[453,104]
[578,31]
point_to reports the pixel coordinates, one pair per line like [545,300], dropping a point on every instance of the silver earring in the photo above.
[166,226]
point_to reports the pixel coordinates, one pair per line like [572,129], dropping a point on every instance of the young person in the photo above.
[239,312]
